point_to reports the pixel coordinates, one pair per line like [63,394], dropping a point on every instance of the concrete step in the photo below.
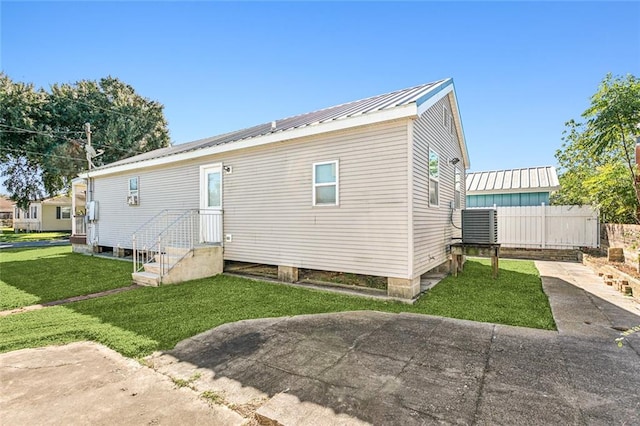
[154,267]
[176,251]
[146,278]
[171,259]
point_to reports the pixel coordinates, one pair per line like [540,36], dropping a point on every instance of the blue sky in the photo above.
[521,69]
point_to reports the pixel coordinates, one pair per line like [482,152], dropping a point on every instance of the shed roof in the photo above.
[6,205]
[59,200]
[416,95]
[531,179]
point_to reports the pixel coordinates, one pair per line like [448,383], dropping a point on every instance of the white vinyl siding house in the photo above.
[433,231]
[348,194]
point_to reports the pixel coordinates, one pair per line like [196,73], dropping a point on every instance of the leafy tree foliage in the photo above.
[597,160]
[42,138]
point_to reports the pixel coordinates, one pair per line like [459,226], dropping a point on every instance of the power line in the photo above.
[22,151]
[114,110]
[37,132]
[74,141]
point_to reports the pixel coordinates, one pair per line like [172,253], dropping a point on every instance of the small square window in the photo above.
[325,184]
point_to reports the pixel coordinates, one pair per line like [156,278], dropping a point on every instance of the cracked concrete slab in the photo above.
[382,368]
[87,383]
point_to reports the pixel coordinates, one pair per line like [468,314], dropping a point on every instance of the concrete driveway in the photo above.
[379,368]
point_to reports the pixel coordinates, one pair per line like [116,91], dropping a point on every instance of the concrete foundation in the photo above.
[288,274]
[403,288]
[204,262]
[81,248]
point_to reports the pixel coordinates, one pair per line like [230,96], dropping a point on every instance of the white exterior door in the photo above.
[211,203]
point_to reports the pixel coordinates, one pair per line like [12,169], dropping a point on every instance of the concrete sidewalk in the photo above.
[27,244]
[353,368]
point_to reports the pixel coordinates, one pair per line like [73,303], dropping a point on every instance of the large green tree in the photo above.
[42,136]
[597,159]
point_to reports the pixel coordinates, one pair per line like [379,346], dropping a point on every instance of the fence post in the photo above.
[543,223]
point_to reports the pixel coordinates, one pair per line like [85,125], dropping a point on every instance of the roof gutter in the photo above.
[405,111]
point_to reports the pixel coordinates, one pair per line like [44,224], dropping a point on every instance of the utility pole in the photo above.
[88,148]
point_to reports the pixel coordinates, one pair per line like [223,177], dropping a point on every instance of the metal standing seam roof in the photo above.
[350,109]
[532,179]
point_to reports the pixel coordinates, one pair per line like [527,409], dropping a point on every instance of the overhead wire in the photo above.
[14,129]
[66,157]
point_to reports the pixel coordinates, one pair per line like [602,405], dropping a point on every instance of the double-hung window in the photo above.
[434,178]
[325,184]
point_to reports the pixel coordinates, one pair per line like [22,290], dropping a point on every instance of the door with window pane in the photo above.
[211,204]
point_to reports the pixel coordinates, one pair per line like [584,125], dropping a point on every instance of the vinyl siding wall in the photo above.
[49,219]
[432,228]
[267,202]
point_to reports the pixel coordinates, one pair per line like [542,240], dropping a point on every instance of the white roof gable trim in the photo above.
[532,179]
[411,110]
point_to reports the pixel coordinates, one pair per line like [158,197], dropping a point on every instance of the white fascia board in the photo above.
[405,111]
[435,98]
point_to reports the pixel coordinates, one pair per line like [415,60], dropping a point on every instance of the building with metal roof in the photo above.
[372,187]
[399,103]
[530,186]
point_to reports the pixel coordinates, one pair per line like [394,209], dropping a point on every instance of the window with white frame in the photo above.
[63,212]
[434,178]
[133,196]
[34,212]
[456,188]
[325,184]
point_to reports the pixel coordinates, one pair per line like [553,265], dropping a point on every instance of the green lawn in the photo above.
[8,236]
[35,275]
[137,322]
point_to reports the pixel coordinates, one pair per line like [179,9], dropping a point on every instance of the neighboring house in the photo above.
[367,187]
[6,211]
[52,214]
[517,187]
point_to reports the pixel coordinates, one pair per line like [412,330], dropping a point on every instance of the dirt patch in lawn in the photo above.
[312,276]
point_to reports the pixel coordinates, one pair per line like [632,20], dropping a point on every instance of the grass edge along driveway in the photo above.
[30,276]
[138,322]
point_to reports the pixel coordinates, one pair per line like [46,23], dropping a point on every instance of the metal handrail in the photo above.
[179,230]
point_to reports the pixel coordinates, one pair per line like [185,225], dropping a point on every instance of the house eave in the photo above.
[514,191]
[405,111]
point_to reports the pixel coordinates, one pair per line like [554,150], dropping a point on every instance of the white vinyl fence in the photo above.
[554,227]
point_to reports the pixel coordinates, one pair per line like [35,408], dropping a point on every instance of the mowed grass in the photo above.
[140,321]
[35,275]
[9,236]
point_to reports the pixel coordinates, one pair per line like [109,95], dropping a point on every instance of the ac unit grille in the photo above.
[479,226]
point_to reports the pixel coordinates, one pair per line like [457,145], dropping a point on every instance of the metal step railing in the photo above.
[171,235]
